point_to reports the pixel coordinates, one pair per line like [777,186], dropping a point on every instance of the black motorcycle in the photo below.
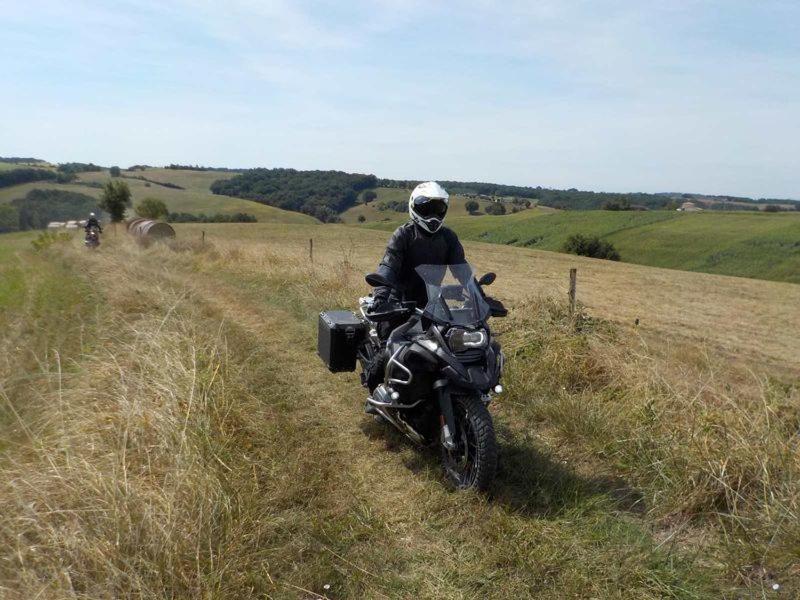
[92,239]
[433,377]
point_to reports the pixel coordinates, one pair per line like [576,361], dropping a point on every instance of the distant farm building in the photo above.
[689,207]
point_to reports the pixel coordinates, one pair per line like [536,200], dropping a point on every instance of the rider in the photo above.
[92,222]
[423,240]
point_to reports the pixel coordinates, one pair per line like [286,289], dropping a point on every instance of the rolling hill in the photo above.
[745,244]
[195,197]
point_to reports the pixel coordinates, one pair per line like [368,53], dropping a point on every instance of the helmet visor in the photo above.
[430,207]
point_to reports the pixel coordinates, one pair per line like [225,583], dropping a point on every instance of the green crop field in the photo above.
[752,244]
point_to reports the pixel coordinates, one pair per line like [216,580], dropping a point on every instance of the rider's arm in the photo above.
[391,264]
[456,250]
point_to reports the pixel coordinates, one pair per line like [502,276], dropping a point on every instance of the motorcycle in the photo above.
[92,238]
[435,375]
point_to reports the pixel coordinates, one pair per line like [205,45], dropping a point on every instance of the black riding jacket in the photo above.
[409,247]
[93,222]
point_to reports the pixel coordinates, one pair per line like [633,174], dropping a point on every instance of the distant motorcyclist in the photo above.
[92,222]
[423,240]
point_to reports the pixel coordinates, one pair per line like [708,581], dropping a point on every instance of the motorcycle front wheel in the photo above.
[473,462]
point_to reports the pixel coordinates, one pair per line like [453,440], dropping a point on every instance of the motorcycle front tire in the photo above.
[472,465]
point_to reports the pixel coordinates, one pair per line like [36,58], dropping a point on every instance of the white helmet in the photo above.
[91,214]
[427,205]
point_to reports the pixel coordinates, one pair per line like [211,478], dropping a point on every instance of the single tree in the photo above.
[591,246]
[115,199]
[472,206]
[114,171]
[152,208]
[361,218]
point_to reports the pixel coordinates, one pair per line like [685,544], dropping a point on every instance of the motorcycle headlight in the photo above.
[461,339]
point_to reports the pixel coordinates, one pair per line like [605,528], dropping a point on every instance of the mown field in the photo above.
[168,431]
[759,245]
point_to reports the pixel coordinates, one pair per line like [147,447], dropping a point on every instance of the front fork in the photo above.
[446,418]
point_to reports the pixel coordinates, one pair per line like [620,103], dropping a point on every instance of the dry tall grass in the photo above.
[713,455]
[185,442]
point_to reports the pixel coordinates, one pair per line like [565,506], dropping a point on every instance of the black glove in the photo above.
[382,304]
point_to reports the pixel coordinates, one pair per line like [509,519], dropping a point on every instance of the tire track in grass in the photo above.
[444,544]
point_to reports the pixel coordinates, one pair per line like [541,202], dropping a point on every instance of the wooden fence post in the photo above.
[573,282]
[311,249]
[203,237]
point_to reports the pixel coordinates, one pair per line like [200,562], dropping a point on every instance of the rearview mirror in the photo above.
[487,279]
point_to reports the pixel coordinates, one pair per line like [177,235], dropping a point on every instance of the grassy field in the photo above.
[195,198]
[759,245]
[166,430]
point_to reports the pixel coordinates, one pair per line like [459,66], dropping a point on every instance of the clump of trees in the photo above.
[115,199]
[496,208]
[322,194]
[591,246]
[18,176]
[369,195]
[472,206]
[217,218]
[39,207]
[9,218]
[115,171]
[395,205]
[152,208]
[617,204]
[19,160]
[73,168]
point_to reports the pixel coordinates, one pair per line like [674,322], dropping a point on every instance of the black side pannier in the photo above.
[340,333]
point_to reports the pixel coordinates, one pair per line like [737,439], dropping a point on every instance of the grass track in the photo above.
[317,497]
[290,488]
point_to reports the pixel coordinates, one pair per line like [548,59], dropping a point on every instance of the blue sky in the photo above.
[605,95]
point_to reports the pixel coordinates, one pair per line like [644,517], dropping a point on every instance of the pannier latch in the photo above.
[350,333]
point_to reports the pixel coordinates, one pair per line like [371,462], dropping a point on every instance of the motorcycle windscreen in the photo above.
[453,295]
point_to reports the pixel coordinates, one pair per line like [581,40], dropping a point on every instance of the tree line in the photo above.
[19,160]
[39,207]
[217,218]
[20,176]
[77,167]
[321,194]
